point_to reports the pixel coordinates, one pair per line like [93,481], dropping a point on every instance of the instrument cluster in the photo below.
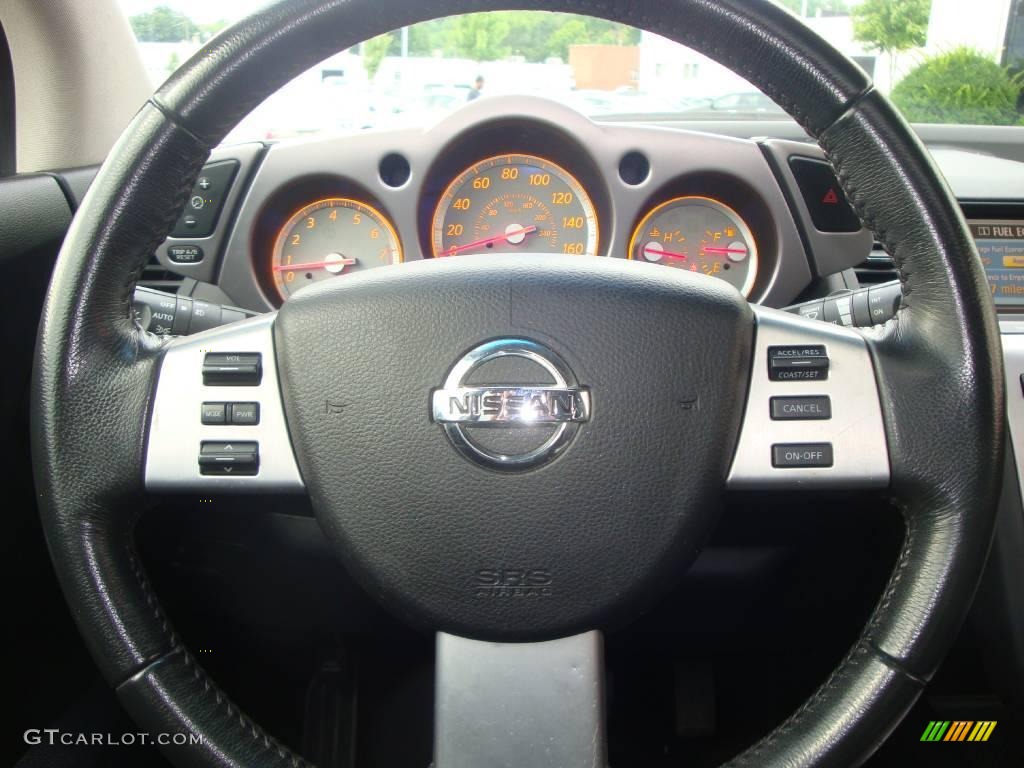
[514,186]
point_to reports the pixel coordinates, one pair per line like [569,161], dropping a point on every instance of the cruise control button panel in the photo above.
[813,416]
[798,363]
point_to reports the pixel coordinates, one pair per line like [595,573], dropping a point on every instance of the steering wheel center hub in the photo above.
[598,421]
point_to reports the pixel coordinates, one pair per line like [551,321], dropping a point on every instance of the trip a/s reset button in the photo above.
[797,455]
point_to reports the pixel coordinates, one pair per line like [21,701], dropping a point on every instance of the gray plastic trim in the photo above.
[830,252]
[997,140]
[856,430]
[672,154]
[79,79]
[510,705]
[206,270]
[175,430]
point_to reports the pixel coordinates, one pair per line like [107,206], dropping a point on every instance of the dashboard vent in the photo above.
[876,268]
[156,276]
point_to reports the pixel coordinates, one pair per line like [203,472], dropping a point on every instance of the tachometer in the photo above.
[701,235]
[514,203]
[331,237]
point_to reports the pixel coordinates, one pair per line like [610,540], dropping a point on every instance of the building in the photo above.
[979,24]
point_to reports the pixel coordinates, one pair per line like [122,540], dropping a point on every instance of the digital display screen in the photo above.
[1001,245]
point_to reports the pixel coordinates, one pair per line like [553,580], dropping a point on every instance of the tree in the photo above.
[206,31]
[961,86]
[163,25]
[480,36]
[534,35]
[572,31]
[528,35]
[375,49]
[607,32]
[892,26]
[427,37]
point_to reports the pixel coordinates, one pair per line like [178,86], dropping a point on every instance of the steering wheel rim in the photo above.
[937,363]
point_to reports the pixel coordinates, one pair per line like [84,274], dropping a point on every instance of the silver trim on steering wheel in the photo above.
[176,431]
[853,433]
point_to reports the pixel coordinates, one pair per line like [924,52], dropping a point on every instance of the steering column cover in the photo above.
[938,360]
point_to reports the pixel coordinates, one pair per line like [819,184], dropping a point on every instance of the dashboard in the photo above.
[514,175]
[523,174]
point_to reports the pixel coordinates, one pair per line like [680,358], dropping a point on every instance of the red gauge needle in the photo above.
[314,265]
[662,252]
[488,240]
[715,249]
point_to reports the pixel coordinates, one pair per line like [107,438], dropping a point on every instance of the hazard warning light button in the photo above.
[825,200]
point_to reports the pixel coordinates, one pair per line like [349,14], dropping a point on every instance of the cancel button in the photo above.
[794,455]
[809,407]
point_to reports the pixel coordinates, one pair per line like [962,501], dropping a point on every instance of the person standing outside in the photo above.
[474,92]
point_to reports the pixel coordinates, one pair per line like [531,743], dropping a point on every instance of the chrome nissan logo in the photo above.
[510,404]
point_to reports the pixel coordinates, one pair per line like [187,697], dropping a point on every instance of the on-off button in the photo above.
[797,455]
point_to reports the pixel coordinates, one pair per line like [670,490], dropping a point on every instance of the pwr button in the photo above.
[797,455]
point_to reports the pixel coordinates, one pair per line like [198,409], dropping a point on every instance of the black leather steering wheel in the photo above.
[937,367]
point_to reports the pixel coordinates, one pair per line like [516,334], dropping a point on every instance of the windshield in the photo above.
[941,61]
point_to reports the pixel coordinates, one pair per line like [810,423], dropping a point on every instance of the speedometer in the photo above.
[514,203]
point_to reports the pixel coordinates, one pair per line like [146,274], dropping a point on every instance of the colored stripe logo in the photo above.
[958,730]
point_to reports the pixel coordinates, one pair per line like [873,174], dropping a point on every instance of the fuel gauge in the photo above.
[701,235]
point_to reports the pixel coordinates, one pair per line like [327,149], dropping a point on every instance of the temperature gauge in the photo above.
[701,235]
